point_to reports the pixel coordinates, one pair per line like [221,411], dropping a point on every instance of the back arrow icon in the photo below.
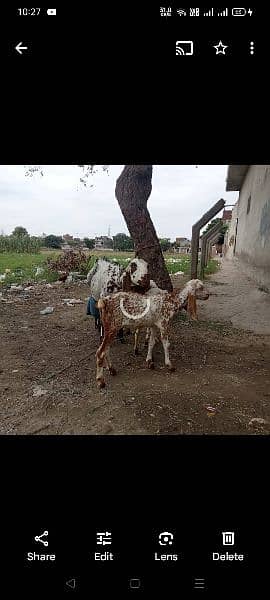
[71,583]
[19,47]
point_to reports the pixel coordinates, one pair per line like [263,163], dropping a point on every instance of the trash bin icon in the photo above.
[228,538]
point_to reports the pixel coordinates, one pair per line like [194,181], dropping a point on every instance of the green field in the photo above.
[23,266]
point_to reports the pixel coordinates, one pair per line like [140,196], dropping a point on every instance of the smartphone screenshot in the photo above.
[134,301]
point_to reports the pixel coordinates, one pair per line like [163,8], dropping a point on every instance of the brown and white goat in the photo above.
[190,306]
[135,311]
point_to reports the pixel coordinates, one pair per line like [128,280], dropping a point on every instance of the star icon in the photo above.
[220,48]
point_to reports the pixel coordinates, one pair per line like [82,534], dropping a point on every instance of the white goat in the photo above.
[108,277]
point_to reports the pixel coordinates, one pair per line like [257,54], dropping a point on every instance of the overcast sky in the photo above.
[57,203]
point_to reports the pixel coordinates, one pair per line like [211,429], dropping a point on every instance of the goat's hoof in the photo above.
[171,369]
[101,383]
[150,364]
[112,371]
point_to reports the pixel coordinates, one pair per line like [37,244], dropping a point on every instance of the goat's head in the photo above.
[192,291]
[196,288]
[138,272]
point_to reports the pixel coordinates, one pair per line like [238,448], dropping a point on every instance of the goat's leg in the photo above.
[100,361]
[151,343]
[166,346]
[101,331]
[136,338]
[100,356]
[112,370]
[147,337]
[120,335]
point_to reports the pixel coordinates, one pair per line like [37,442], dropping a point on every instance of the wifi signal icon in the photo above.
[181,12]
[184,48]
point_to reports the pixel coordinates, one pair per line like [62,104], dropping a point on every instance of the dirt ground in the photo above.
[47,370]
[235,297]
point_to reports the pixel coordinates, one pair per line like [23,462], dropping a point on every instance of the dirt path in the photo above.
[221,382]
[237,299]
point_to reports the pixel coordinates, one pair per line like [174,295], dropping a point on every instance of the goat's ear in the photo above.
[126,282]
[192,307]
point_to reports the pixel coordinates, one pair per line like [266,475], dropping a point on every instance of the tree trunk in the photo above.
[132,191]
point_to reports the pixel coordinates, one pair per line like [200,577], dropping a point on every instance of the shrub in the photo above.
[70,261]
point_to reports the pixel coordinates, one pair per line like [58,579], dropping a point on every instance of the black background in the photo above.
[105,87]
[135,487]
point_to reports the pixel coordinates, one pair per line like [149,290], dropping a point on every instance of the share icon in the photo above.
[38,538]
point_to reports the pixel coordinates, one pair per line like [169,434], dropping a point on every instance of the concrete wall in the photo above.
[229,237]
[253,230]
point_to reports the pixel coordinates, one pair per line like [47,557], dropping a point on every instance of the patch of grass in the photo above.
[111,254]
[23,268]
[173,262]
[178,263]
[181,316]
[212,267]
[217,325]
[222,328]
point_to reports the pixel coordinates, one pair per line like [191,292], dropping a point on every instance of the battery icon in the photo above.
[239,12]
[51,11]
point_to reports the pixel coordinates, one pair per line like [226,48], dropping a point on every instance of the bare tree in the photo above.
[132,191]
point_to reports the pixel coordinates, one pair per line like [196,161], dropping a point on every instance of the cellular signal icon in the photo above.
[223,13]
[181,12]
[184,48]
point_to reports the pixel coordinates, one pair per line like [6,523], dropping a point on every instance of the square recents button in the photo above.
[134,583]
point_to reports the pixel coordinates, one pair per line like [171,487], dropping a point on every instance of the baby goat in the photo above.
[135,311]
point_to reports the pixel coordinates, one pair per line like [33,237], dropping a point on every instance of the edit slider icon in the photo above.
[104,538]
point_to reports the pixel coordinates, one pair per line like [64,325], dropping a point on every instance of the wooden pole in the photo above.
[216,208]
[213,240]
[209,235]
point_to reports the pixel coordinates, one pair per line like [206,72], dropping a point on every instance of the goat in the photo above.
[104,278]
[152,291]
[190,306]
[108,277]
[133,310]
